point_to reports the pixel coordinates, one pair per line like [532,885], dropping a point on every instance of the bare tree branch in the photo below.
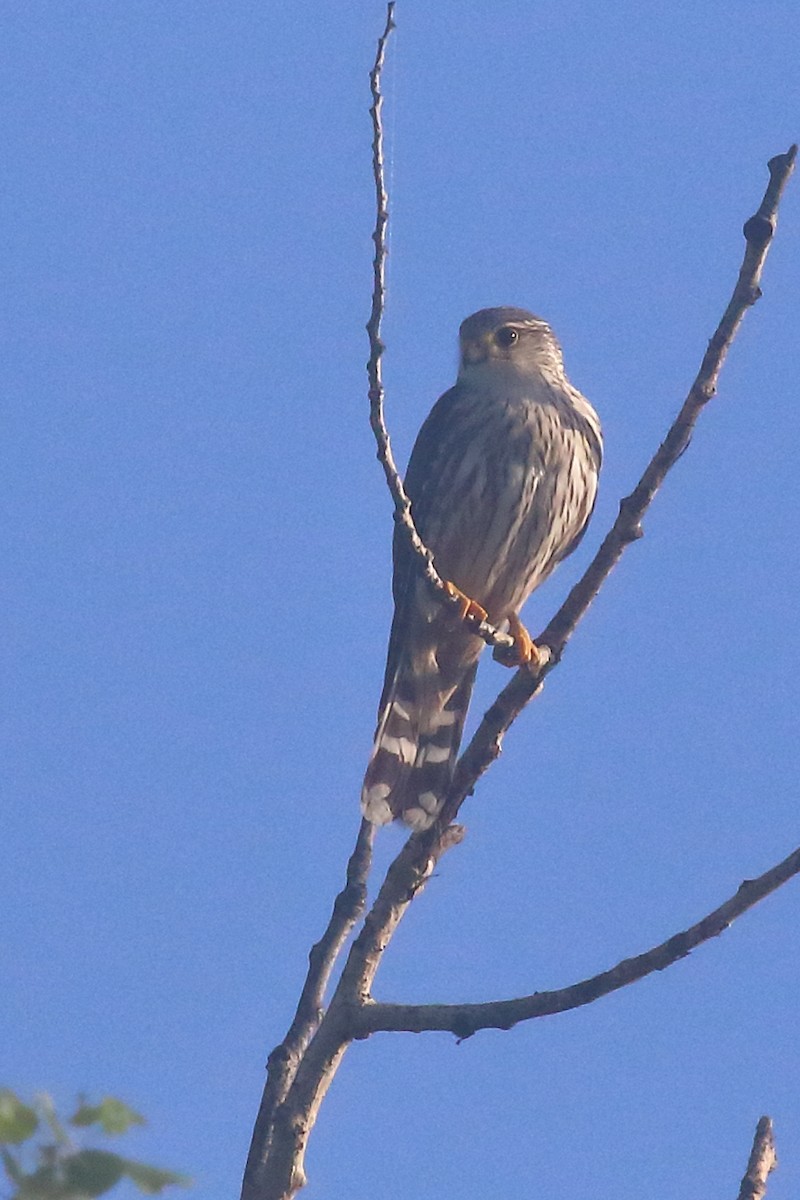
[406,877]
[285,1059]
[763,1160]
[402,504]
[758,231]
[465,1019]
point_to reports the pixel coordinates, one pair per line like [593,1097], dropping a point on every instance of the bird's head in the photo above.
[509,338]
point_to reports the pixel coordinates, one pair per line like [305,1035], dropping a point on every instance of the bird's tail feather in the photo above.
[415,749]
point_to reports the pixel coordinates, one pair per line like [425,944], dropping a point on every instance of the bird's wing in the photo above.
[427,471]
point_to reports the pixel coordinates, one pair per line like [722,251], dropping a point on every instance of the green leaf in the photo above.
[92,1172]
[113,1115]
[44,1184]
[17,1120]
[153,1180]
[13,1169]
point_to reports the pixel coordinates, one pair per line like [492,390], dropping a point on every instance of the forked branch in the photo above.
[465,1019]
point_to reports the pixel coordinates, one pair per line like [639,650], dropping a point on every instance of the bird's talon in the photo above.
[468,610]
[524,652]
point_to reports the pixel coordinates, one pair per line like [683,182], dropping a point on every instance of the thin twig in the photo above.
[465,1019]
[402,504]
[758,231]
[763,1160]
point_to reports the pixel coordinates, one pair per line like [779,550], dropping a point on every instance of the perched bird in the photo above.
[502,481]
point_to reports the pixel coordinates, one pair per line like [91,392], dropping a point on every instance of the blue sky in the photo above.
[196,585]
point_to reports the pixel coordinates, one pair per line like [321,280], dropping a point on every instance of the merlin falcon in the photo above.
[502,482]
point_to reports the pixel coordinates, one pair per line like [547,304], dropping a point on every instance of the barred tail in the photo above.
[415,748]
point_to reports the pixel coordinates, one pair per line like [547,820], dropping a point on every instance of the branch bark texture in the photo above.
[763,1160]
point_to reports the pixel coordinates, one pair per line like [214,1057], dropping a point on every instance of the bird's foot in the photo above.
[468,610]
[524,652]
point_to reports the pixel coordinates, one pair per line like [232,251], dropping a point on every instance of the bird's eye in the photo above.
[506,336]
